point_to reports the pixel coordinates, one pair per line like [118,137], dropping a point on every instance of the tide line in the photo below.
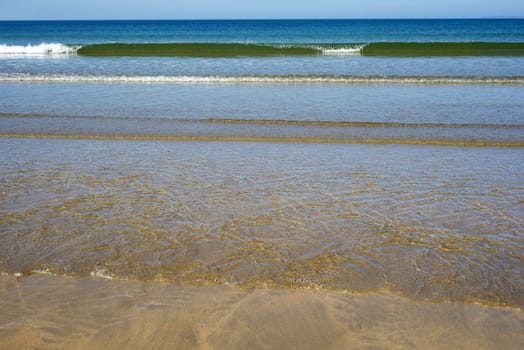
[213,138]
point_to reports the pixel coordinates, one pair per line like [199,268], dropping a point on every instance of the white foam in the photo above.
[43,272]
[40,49]
[101,272]
[256,79]
[343,51]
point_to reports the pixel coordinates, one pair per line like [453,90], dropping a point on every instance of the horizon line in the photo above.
[259,19]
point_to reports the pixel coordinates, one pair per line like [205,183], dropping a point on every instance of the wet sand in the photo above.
[50,312]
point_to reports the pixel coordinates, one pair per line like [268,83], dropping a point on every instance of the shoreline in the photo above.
[49,312]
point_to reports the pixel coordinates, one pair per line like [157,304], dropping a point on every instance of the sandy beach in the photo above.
[261,184]
[50,312]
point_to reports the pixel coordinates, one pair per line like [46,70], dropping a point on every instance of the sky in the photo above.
[235,9]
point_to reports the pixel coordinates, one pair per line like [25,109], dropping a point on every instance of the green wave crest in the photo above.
[388,49]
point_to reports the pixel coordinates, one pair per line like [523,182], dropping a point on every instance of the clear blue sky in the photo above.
[224,9]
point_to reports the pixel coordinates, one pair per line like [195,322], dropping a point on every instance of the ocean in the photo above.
[345,156]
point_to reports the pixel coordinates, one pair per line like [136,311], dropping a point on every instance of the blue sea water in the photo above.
[338,85]
[40,50]
[112,165]
[262,31]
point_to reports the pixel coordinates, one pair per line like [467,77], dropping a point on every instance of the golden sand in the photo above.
[50,312]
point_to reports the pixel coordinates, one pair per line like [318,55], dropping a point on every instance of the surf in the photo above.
[40,49]
[287,79]
[387,49]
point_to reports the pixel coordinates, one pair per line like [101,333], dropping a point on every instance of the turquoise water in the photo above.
[342,171]
[40,74]
[37,48]
[262,31]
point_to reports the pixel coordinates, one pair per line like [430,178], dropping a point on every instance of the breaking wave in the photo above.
[40,49]
[391,49]
[262,79]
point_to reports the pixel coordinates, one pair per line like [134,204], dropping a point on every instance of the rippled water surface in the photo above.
[442,104]
[433,223]
[353,65]
[341,172]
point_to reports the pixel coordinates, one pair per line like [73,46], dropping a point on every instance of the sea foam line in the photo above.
[260,79]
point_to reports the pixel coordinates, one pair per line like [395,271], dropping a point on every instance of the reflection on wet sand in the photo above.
[49,312]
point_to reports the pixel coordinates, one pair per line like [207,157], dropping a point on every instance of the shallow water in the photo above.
[437,104]
[125,216]
[432,223]
[351,65]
